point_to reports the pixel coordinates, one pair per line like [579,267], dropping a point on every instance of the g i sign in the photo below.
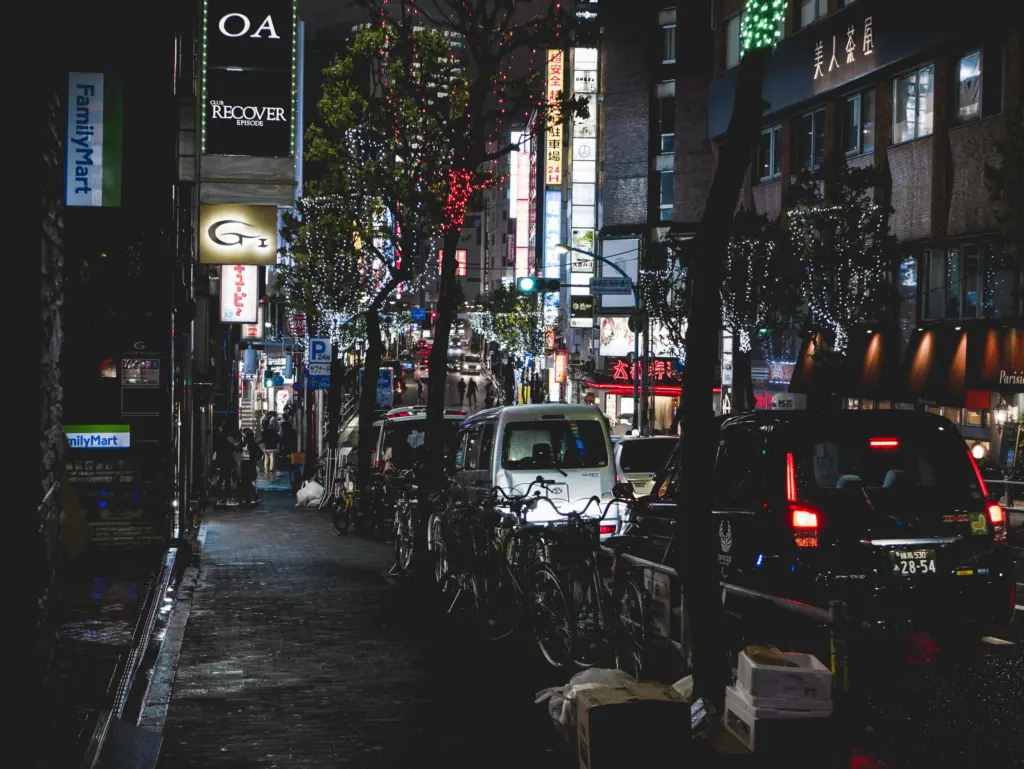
[237,234]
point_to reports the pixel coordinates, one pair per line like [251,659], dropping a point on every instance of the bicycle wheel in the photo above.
[493,607]
[402,539]
[549,613]
[590,629]
[437,551]
[340,514]
[631,629]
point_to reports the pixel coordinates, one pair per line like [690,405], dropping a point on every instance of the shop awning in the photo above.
[995,359]
[869,369]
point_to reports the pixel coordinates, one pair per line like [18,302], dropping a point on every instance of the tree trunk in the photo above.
[697,559]
[334,403]
[742,379]
[368,395]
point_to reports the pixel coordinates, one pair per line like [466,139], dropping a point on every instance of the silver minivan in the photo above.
[640,459]
[568,446]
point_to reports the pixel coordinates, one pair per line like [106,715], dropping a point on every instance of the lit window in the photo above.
[666,195]
[668,44]
[812,10]
[810,139]
[732,40]
[769,153]
[913,103]
[969,86]
[859,123]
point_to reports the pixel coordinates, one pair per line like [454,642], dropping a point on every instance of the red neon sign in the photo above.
[658,371]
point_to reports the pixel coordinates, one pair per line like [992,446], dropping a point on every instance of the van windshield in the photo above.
[471,358]
[554,443]
[926,462]
[645,456]
[407,441]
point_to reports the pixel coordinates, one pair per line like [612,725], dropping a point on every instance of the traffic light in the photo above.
[532,285]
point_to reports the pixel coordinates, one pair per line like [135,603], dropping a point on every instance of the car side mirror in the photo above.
[623,490]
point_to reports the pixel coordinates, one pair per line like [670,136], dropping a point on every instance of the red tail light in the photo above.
[607,528]
[790,478]
[805,525]
[977,474]
[400,414]
[804,519]
[884,444]
[995,514]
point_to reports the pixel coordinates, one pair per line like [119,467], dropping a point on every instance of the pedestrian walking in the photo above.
[251,454]
[462,391]
[289,445]
[489,396]
[271,442]
[471,391]
[419,391]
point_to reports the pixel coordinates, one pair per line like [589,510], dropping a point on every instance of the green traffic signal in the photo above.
[526,285]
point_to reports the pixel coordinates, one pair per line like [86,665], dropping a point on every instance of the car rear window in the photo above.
[554,443]
[407,438]
[645,456]
[922,459]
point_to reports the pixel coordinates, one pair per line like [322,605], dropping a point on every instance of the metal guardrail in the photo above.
[834,618]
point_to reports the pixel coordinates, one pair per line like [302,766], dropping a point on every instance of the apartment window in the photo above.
[968,95]
[668,44]
[666,195]
[667,123]
[968,280]
[859,123]
[913,103]
[811,11]
[769,153]
[810,139]
[732,40]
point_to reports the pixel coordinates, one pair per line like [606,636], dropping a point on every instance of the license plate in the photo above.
[912,563]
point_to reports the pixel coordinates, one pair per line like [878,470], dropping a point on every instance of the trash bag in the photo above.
[309,494]
[685,688]
[559,699]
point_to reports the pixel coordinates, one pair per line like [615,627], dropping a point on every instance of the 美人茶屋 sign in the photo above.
[93,145]
[249,77]
[237,234]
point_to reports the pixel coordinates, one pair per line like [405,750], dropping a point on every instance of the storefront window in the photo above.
[998,284]
[936,410]
[972,417]
[952,414]
[868,405]
[853,404]
[884,405]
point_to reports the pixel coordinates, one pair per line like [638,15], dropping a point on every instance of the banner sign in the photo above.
[249,77]
[98,436]
[254,330]
[237,234]
[581,312]
[239,293]
[552,237]
[554,147]
[94,146]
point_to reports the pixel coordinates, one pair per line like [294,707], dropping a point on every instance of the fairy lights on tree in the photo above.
[840,239]
[761,25]
[511,320]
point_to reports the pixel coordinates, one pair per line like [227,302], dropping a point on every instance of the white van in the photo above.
[567,446]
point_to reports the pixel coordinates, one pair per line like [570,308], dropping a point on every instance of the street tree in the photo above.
[759,294]
[697,559]
[512,321]
[376,194]
[839,238]
[498,49]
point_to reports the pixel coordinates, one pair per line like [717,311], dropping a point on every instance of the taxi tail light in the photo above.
[998,520]
[607,528]
[884,444]
[805,524]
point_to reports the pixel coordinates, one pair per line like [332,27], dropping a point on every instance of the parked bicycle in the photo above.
[403,532]
[610,624]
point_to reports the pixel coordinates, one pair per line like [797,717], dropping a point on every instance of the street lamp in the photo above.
[1000,413]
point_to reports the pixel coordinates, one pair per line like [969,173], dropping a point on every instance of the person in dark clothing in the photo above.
[462,391]
[289,445]
[489,396]
[223,460]
[471,391]
[419,391]
[251,456]
[271,442]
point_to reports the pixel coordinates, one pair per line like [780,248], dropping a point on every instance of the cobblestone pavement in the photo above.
[300,652]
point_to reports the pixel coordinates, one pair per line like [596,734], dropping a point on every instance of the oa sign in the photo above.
[249,33]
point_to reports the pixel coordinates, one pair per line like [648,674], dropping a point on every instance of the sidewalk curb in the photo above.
[140,641]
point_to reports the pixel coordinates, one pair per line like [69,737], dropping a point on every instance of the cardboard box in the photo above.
[781,703]
[630,725]
[810,680]
[776,732]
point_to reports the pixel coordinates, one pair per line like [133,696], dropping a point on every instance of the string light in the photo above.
[761,24]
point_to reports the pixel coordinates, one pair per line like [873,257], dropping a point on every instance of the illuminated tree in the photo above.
[512,321]
[840,239]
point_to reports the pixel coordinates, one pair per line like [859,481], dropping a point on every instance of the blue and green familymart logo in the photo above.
[98,436]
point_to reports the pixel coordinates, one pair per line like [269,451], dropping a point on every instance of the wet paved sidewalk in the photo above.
[299,651]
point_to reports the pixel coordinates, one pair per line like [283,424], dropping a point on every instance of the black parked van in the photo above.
[885,510]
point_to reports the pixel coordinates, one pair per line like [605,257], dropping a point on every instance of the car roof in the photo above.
[412,413]
[797,421]
[533,411]
[631,438]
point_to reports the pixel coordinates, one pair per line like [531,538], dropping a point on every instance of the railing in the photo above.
[834,618]
[1013,492]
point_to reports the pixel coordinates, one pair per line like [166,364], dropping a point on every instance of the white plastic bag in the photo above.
[560,698]
[309,494]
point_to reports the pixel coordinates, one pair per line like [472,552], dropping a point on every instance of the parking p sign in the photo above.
[319,350]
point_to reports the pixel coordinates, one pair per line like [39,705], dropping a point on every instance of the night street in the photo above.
[300,652]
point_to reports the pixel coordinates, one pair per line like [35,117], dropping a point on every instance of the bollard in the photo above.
[841,682]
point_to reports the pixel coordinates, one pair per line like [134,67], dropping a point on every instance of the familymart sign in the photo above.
[98,436]
[93,146]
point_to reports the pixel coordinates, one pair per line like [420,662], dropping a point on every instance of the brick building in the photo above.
[923,96]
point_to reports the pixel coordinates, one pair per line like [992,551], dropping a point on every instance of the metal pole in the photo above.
[840,681]
[636,379]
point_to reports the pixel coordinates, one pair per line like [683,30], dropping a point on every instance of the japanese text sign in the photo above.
[239,293]
[555,143]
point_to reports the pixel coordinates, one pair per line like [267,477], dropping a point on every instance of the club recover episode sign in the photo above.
[98,436]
